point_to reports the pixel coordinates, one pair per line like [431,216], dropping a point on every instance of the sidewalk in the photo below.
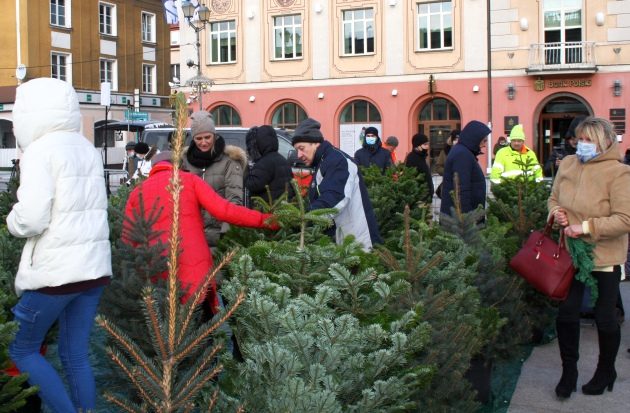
[540,373]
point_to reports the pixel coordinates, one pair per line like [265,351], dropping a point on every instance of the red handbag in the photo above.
[545,264]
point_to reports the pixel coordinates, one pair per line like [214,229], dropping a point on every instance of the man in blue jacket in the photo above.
[337,184]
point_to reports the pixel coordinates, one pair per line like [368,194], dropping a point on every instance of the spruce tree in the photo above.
[14,391]
[182,359]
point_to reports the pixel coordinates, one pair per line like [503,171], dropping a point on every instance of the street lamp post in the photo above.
[199,82]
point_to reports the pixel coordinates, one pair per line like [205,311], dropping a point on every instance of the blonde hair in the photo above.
[599,130]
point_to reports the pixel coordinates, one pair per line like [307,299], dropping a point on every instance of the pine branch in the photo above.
[213,400]
[131,375]
[191,391]
[153,322]
[123,404]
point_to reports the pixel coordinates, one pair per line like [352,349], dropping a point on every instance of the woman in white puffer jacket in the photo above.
[66,261]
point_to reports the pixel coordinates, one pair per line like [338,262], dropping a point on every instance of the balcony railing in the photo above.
[570,56]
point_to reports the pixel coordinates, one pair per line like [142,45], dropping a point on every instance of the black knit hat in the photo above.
[419,139]
[308,131]
[574,124]
[371,131]
[141,148]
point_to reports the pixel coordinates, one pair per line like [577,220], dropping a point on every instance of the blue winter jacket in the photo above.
[462,160]
[338,184]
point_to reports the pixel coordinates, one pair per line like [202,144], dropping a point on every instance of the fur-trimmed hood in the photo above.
[237,154]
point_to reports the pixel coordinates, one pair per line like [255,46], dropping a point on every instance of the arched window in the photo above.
[288,115]
[360,111]
[354,118]
[437,118]
[226,115]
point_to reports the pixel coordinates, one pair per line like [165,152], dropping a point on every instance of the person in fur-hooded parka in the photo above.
[221,166]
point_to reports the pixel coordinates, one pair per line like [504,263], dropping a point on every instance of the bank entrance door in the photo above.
[554,122]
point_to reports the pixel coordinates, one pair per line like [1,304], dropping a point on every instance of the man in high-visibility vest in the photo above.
[510,161]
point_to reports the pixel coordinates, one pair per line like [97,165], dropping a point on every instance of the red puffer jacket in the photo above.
[195,259]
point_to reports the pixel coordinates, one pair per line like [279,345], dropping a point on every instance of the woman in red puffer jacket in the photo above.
[195,259]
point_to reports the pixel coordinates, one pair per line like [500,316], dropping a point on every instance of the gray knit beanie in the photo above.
[308,131]
[202,122]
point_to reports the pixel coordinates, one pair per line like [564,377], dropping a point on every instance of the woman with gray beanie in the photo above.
[220,165]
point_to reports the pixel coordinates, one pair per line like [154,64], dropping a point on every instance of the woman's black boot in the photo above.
[605,375]
[569,343]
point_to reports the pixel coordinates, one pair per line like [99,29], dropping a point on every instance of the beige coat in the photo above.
[598,192]
[225,175]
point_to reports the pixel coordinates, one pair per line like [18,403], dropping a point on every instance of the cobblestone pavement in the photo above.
[540,373]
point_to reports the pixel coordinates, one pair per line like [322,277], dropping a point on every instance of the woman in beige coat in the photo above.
[591,200]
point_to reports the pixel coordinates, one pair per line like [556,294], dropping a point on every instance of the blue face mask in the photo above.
[370,140]
[586,151]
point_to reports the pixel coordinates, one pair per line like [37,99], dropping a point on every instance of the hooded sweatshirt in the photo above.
[462,162]
[271,170]
[62,204]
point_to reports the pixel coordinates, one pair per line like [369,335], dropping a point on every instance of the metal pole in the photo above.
[105,172]
[199,94]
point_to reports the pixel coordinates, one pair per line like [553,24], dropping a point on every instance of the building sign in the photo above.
[618,119]
[540,84]
[508,123]
[132,115]
[569,83]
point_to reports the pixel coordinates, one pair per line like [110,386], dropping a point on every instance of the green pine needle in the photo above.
[582,256]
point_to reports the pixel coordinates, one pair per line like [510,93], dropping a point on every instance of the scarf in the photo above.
[201,159]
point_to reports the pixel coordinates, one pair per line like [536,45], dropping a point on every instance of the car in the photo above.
[160,137]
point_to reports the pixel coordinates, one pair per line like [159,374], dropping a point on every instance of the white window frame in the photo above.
[149,78]
[113,69]
[352,21]
[175,72]
[54,12]
[110,11]
[55,61]
[147,27]
[424,20]
[217,29]
[293,28]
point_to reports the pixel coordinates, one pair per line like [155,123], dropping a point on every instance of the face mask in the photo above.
[370,140]
[586,151]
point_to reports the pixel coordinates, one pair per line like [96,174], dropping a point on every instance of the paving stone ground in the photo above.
[541,371]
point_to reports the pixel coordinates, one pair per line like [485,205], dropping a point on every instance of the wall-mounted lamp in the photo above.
[511,91]
[617,87]
[317,8]
[394,92]
[252,98]
[250,14]
[524,24]
[476,89]
[617,50]
[510,55]
[600,18]
[431,84]
[320,95]
[392,3]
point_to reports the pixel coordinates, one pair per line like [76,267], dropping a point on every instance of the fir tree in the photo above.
[14,391]
[181,361]
[391,191]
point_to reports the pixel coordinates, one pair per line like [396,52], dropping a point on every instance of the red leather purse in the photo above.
[545,264]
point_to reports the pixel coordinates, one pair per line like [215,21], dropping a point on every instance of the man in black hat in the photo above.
[372,151]
[337,184]
[568,148]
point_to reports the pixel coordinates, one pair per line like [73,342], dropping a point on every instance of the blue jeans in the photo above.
[35,313]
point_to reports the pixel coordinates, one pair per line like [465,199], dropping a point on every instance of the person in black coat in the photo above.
[417,158]
[462,161]
[270,169]
[568,148]
[372,152]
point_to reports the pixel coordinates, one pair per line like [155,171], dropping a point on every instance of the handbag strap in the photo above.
[549,225]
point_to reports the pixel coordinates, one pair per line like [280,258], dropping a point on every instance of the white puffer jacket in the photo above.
[62,204]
